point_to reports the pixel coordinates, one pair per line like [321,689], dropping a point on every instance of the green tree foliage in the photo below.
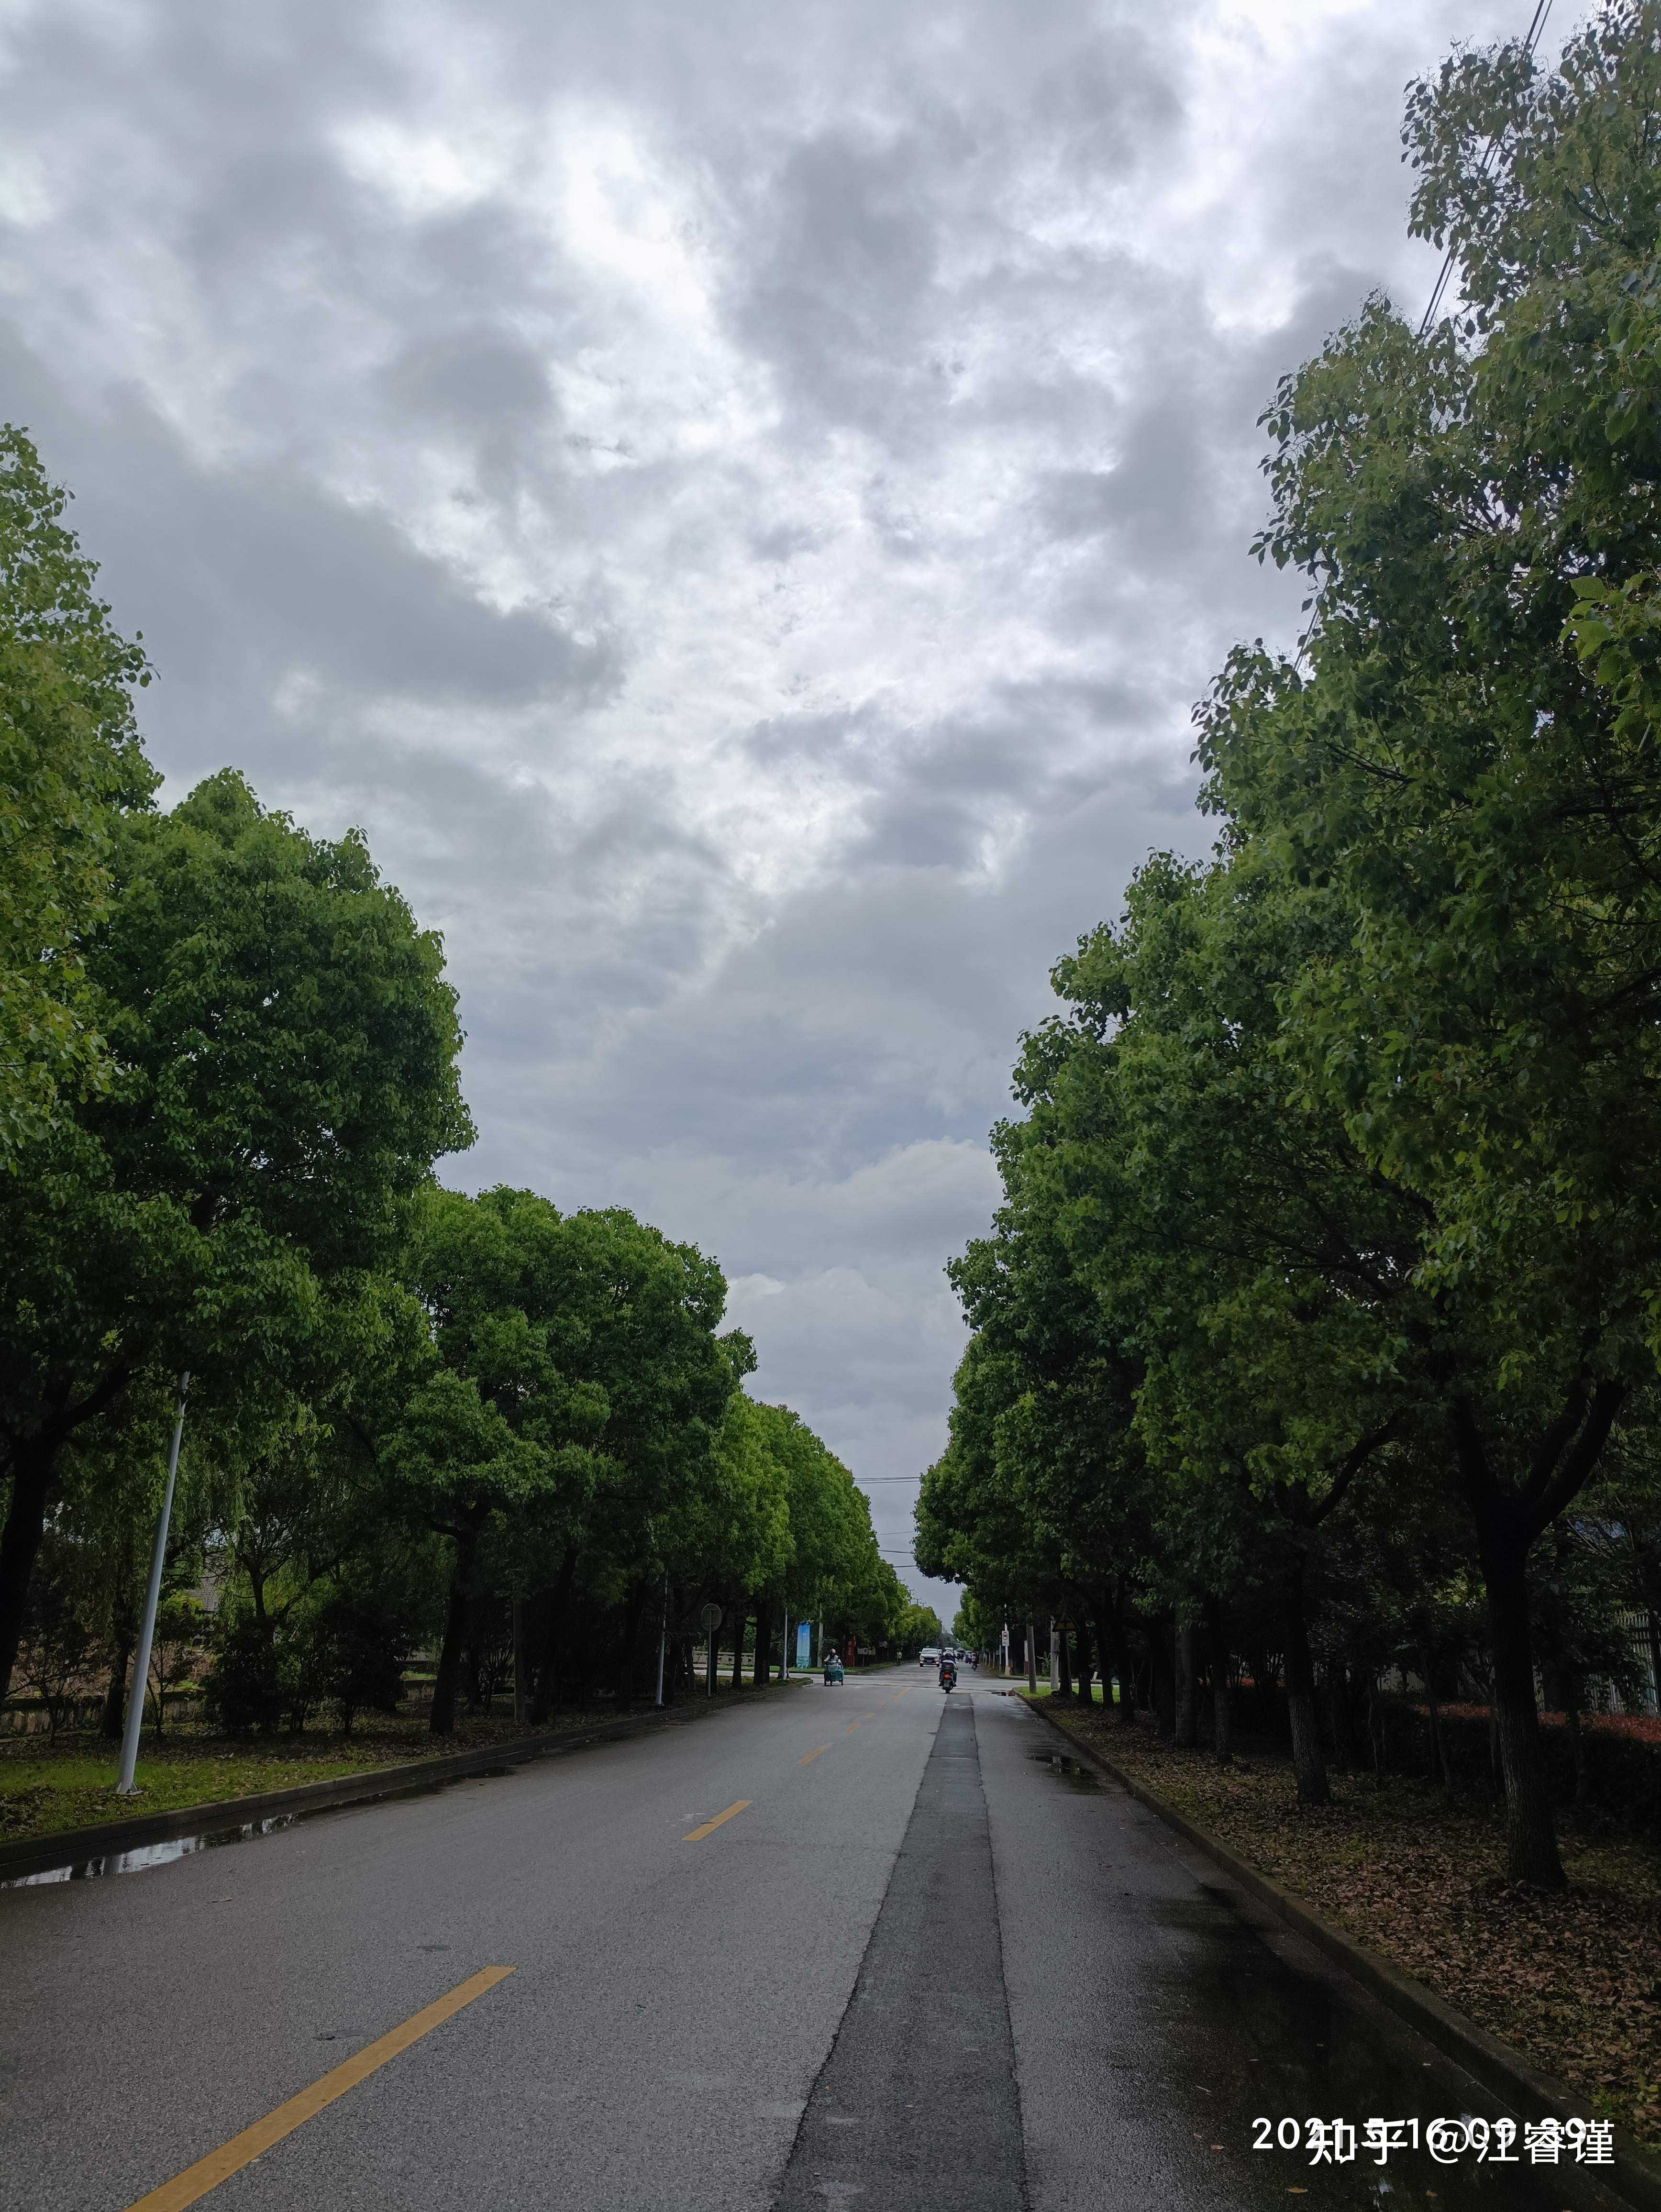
[918,1628]
[574,1384]
[286,1046]
[70,764]
[1464,780]
[1343,1166]
[227,1066]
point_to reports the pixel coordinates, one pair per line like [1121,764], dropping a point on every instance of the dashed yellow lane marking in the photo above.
[195,2182]
[813,1754]
[709,1827]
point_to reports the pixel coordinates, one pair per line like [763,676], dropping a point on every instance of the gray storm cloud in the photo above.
[737,501]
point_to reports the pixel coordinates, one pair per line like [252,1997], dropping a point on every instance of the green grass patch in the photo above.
[72,1785]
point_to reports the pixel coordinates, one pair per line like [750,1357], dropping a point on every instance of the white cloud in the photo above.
[738,500]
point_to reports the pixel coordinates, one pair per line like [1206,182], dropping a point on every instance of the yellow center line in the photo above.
[709,1827]
[230,2158]
[813,1754]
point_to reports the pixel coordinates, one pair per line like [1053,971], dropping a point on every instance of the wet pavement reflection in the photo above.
[1249,2042]
[143,1856]
[1066,1770]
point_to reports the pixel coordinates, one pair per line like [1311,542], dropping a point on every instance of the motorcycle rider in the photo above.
[948,1674]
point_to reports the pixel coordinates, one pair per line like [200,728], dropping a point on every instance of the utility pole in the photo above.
[663,1637]
[1055,1658]
[127,1787]
[1032,1659]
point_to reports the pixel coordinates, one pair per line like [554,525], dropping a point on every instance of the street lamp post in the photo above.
[127,1787]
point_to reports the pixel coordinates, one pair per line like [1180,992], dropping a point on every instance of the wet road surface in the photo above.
[869,1949]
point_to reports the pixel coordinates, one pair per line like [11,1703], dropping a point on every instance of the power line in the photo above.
[1542,9]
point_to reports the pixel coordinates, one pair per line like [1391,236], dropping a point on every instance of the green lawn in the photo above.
[73,1785]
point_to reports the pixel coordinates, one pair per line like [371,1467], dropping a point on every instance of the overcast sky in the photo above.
[738,500]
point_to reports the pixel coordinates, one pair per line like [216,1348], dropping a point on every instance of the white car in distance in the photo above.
[929,1657]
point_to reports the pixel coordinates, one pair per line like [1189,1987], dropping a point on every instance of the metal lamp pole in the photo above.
[125,1787]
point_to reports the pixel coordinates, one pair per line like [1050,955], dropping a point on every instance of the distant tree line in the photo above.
[516,1440]
[1318,1333]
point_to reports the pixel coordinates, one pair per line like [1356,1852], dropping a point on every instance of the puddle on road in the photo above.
[143,1856]
[1247,2036]
[1066,1770]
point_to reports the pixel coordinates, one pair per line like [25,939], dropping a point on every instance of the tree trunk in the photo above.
[1162,1676]
[1576,1737]
[124,1635]
[763,1644]
[32,1469]
[1127,1664]
[1439,1758]
[1308,1760]
[1652,1622]
[115,1700]
[634,1605]
[1564,1458]
[1340,1714]
[1187,1729]
[448,1681]
[1086,1664]
[1064,1661]
[1222,1695]
[559,1596]
[473,1655]
[1563,1690]
[738,1644]
[1502,1540]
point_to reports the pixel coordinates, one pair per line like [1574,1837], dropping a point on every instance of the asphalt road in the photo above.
[917,1967]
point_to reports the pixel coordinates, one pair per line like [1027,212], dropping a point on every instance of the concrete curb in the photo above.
[73,1846]
[1636,2174]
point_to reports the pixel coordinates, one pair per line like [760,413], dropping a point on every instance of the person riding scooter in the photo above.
[948,1674]
[832,1669]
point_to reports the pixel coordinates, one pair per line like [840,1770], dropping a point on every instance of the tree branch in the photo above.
[1554,1441]
[1571,1476]
[1353,1462]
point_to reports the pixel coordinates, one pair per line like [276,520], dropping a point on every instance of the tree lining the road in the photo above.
[417,1419]
[1322,1308]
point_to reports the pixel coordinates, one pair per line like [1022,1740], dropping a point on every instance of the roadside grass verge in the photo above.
[71,1784]
[1572,1981]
